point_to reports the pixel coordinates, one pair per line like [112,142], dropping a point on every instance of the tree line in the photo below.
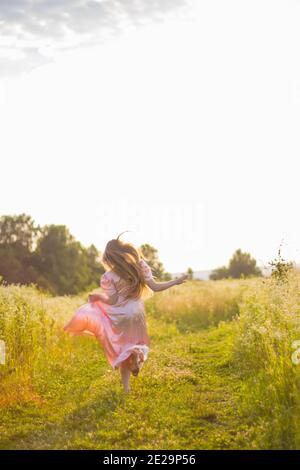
[50,257]
[56,262]
[240,265]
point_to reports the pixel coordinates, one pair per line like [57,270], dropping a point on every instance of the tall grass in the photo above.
[266,316]
[268,324]
[30,326]
[199,304]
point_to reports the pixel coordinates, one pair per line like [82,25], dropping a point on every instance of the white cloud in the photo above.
[34,30]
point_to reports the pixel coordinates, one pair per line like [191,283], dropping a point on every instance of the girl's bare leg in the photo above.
[125,374]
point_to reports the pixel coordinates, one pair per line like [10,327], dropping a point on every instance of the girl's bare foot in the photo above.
[136,360]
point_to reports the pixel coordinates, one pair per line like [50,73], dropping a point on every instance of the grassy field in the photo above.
[219,374]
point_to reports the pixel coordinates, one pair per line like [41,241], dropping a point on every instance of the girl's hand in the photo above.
[181,279]
[93,298]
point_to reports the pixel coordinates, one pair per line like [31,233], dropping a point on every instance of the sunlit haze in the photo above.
[179,124]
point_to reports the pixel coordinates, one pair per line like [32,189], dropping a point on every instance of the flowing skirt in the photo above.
[119,329]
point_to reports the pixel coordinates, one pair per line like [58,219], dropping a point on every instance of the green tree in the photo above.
[219,273]
[18,238]
[49,257]
[95,267]
[64,264]
[151,255]
[190,273]
[18,230]
[240,265]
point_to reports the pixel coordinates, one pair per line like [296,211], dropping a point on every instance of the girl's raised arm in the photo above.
[159,286]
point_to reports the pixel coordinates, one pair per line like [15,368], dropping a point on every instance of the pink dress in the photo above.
[119,328]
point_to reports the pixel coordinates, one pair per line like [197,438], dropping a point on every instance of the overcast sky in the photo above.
[177,120]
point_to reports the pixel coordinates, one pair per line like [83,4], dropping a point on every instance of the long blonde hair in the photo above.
[123,259]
